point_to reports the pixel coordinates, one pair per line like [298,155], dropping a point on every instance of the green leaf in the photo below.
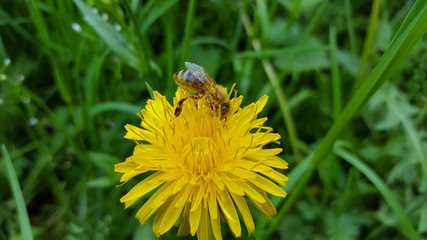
[348,61]
[104,161]
[117,42]
[305,61]
[24,220]
[188,31]
[405,225]
[341,227]
[114,106]
[263,16]
[412,134]
[156,12]
[101,182]
[422,224]
[284,51]
[392,58]
[150,90]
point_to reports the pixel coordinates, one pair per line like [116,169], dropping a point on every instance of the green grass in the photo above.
[347,86]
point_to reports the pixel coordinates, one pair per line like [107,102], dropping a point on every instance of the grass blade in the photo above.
[336,81]
[263,16]
[369,43]
[156,12]
[395,55]
[150,90]
[412,134]
[24,220]
[350,26]
[392,58]
[405,225]
[42,29]
[114,106]
[186,49]
[295,175]
[117,42]
[263,53]
[274,81]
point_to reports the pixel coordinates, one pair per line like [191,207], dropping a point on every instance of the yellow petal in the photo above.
[164,195]
[159,217]
[265,170]
[257,123]
[216,225]
[243,173]
[232,186]
[125,167]
[261,103]
[184,227]
[136,133]
[182,181]
[141,189]
[272,161]
[129,169]
[230,213]
[217,181]
[130,174]
[276,176]
[277,162]
[146,211]
[148,151]
[263,138]
[195,219]
[172,213]
[250,191]
[266,207]
[266,153]
[227,206]
[204,231]
[246,214]
[185,196]
[213,204]
[268,186]
[197,197]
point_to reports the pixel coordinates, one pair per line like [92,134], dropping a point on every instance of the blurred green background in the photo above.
[347,86]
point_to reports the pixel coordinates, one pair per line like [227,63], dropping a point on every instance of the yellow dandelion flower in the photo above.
[202,167]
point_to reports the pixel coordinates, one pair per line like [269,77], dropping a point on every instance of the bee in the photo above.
[198,79]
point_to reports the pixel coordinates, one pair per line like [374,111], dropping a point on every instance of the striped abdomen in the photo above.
[191,80]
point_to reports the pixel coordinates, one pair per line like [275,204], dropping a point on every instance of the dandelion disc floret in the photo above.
[201,167]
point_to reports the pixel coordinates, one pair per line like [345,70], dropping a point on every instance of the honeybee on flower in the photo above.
[204,160]
[199,80]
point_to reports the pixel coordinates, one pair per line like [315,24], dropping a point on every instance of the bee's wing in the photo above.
[193,67]
[203,75]
[208,75]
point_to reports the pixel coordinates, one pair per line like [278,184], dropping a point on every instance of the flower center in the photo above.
[200,155]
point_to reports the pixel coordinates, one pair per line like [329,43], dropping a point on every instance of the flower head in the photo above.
[202,166]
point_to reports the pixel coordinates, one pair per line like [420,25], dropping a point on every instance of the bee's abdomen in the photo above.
[184,76]
[187,79]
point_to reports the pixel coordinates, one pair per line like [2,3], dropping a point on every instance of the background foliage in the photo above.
[74,72]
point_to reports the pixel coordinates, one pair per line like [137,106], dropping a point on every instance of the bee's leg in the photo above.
[210,103]
[196,98]
[214,108]
[178,108]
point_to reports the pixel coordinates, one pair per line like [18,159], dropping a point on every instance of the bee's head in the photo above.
[223,100]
